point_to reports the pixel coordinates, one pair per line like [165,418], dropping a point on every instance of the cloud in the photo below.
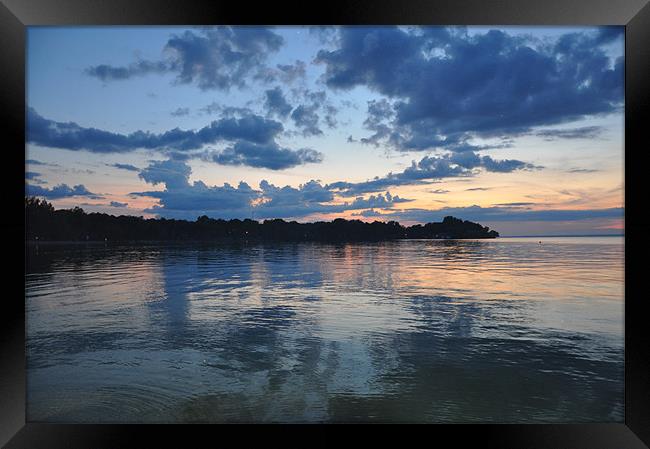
[60,191]
[217,57]
[268,155]
[306,119]
[141,67]
[172,173]
[253,138]
[212,108]
[117,204]
[285,73]
[367,213]
[500,214]
[314,105]
[450,165]
[311,198]
[288,73]
[276,104]
[292,202]
[380,112]
[34,162]
[71,136]
[377,201]
[447,87]
[586,132]
[180,199]
[514,204]
[128,167]
[33,178]
[608,33]
[505,165]
[326,34]
[180,112]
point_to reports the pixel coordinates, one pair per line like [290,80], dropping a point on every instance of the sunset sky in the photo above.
[518,128]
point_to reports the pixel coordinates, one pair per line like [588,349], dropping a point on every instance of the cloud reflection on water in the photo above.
[395,331]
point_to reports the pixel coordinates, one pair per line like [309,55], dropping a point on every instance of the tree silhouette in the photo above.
[44,223]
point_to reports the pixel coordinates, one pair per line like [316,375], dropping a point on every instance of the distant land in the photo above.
[44,223]
[561,235]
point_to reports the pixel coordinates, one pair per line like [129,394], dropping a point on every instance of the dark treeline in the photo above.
[44,223]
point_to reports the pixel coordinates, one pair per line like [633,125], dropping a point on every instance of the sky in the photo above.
[518,128]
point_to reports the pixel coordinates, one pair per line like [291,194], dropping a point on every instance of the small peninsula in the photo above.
[44,223]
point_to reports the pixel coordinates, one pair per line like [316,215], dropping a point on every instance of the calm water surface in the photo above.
[505,330]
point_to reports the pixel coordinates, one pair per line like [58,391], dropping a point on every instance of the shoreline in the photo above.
[32,243]
[107,242]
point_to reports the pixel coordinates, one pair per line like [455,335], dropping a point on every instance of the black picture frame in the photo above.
[15,15]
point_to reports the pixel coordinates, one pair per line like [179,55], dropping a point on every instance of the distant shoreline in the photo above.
[44,223]
[561,235]
[204,242]
[185,242]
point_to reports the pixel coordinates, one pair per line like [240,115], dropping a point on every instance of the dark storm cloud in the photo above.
[32,175]
[276,104]
[60,191]
[447,86]
[212,58]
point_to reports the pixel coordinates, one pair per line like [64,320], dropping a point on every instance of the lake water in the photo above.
[506,330]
